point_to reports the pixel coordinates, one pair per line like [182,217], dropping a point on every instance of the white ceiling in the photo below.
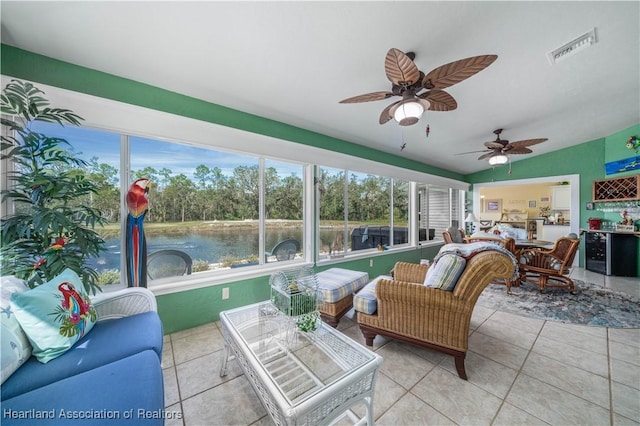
[293,61]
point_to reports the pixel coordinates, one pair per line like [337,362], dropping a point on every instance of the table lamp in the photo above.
[471,218]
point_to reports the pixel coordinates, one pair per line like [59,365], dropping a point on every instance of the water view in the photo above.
[208,246]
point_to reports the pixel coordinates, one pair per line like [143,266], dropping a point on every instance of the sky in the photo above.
[179,158]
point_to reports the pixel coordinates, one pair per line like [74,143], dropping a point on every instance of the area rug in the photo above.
[591,305]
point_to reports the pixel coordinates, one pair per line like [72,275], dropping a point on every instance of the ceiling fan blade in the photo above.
[368,97]
[522,150]
[494,145]
[527,142]
[454,72]
[385,115]
[400,69]
[487,155]
[471,152]
[440,100]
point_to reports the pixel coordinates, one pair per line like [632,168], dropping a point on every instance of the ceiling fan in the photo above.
[408,82]
[498,150]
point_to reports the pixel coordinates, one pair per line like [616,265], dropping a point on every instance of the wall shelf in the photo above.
[617,189]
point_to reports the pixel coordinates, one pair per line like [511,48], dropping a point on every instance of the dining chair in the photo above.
[168,263]
[284,250]
[551,268]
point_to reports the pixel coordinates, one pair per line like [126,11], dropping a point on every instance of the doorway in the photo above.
[574,181]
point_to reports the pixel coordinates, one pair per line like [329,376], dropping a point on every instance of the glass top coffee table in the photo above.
[301,378]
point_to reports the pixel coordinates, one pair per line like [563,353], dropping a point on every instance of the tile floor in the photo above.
[522,371]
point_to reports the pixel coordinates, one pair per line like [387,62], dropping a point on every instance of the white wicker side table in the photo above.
[311,380]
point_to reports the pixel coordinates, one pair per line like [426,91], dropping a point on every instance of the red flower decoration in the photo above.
[74,318]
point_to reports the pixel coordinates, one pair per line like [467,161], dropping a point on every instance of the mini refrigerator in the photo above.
[611,253]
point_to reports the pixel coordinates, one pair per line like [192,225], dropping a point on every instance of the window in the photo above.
[439,207]
[363,211]
[228,208]
[203,202]
[284,199]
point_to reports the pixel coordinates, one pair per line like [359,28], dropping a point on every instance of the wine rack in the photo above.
[617,189]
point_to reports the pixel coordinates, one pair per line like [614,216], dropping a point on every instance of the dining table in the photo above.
[539,244]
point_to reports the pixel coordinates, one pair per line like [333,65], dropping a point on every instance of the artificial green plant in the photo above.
[51,224]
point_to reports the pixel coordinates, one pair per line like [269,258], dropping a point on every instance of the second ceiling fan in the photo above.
[409,82]
[498,150]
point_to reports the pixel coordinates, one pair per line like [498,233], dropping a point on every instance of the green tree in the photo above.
[54,227]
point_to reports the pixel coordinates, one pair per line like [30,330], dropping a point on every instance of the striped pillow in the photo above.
[446,272]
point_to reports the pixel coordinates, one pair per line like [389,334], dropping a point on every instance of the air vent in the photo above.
[572,47]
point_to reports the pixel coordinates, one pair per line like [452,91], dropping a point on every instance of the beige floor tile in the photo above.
[626,400]
[171,392]
[511,328]
[624,352]
[410,410]
[619,420]
[627,285]
[232,403]
[356,335]
[431,355]
[513,416]
[203,373]
[457,399]
[489,375]
[572,336]
[625,373]
[402,365]
[173,415]
[586,385]
[386,394]
[628,336]
[554,405]
[497,350]
[581,358]
[167,353]
[197,344]
[479,315]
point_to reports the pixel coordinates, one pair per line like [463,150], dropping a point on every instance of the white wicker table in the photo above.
[301,378]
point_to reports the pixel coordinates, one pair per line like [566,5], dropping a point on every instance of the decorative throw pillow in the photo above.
[54,315]
[16,348]
[445,273]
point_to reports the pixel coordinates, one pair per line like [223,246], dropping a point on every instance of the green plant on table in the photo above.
[53,226]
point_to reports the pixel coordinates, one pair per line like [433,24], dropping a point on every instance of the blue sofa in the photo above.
[111,376]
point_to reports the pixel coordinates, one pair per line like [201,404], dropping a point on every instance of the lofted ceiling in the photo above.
[294,61]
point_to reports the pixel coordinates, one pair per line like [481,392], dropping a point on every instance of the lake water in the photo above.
[208,246]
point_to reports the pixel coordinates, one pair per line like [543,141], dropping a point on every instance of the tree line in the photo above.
[213,195]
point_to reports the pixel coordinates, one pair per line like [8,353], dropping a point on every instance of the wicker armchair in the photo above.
[453,235]
[437,319]
[550,267]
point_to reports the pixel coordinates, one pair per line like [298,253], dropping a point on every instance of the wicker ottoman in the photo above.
[337,287]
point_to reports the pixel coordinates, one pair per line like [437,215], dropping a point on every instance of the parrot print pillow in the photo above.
[54,315]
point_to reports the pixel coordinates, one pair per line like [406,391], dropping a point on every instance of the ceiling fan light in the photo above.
[498,160]
[408,113]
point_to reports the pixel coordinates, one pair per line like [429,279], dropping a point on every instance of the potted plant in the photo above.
[53,224]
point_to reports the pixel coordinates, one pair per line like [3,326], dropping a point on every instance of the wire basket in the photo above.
[294,293]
